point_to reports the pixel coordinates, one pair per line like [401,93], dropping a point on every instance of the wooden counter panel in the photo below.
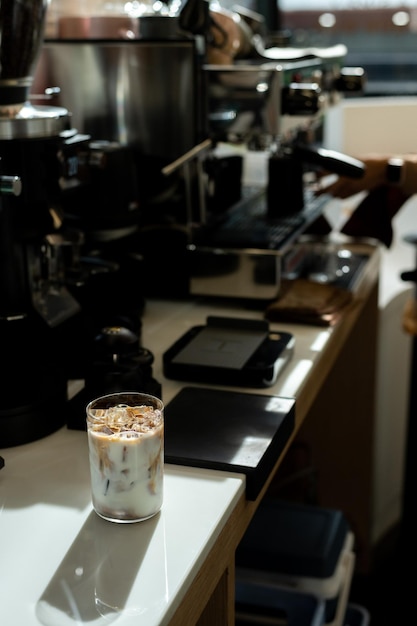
[215,580]
[338,434]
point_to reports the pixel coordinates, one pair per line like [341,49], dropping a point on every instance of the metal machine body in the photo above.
[159,100]
[141,93]
[277,107]
[119,182]
[260,102]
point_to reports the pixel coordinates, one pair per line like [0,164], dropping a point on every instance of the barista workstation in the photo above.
[118,223]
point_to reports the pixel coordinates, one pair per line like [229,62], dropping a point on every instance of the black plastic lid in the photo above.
[294,539]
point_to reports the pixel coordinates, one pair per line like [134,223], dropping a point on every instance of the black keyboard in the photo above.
[247,225]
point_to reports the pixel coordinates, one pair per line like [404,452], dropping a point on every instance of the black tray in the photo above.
[228,431]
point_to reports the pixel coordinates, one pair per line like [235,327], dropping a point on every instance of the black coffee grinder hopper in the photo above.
[118,363]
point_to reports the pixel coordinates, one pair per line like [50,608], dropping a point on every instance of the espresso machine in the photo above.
[274,102]
[118,197]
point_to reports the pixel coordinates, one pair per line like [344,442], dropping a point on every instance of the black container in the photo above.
[21,35]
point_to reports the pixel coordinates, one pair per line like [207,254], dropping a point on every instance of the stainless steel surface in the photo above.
[35,122]
[139,93]
[246,273]
[244,98]
[247,98]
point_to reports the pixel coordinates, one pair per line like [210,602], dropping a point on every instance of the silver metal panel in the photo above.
[139,93]
[245,99]
[231,273]
[35,122]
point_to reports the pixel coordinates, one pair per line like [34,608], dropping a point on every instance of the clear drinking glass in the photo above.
[126,448]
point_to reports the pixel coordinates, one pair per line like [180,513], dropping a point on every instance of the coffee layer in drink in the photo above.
[126,458]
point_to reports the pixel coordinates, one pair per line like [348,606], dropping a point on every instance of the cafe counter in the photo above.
[62,565]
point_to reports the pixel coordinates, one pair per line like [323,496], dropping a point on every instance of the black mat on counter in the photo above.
[228,431]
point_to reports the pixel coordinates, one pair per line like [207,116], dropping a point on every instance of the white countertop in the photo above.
[60,561]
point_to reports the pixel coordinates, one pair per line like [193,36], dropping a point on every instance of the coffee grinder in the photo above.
[33,305]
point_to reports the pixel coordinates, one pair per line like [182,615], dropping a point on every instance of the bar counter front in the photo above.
[63,565]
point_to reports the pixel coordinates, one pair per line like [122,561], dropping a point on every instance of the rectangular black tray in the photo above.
[229,431]
[229,351]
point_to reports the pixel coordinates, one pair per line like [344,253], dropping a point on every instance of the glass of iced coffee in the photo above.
[126,447]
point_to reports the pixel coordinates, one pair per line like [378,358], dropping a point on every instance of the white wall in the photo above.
[385,125]
[362,125]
